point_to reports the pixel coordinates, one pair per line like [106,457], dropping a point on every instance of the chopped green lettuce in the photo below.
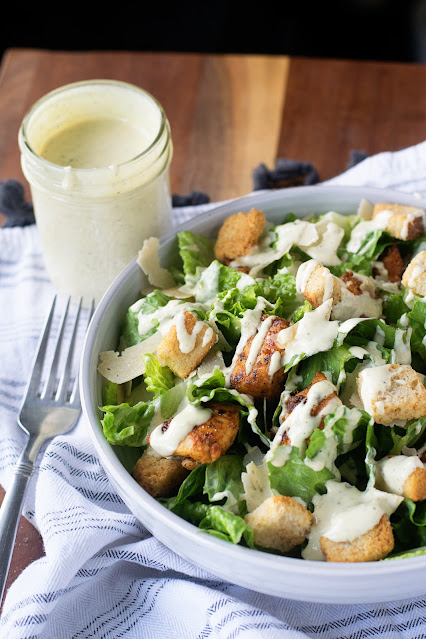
[126,425]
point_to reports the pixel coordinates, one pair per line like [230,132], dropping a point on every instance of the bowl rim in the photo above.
[305,568]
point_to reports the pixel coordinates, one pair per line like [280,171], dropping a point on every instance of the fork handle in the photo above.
[10,513]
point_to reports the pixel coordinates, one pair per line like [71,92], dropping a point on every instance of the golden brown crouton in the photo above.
[259,381]
[414,277]
[392,262]
[238,235]
[406,223]
[159,476]
[186,344]
[353,295]
[317,283]
[280,523]
[208,441]
[403,475]
[373,545]
[392,393]
[415,485]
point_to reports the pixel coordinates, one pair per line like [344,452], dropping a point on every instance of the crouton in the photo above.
[208,441]
[403,475]
[353,295]
[159,476]
[254,370]
[373,545]
[280,523]
[406,223]
[186,344]
[392,393]
[238,235]
[415,485]
[414,277]
[391,264]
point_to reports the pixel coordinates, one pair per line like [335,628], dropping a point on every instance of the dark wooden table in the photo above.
[228,114]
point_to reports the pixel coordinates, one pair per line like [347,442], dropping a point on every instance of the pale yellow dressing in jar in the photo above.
[93,144]
[96,155]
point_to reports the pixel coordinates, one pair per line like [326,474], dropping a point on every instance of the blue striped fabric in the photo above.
[103,575]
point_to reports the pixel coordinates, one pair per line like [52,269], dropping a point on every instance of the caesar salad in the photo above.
[269,386]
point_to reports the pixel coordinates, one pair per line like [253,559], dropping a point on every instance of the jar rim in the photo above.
[25,144]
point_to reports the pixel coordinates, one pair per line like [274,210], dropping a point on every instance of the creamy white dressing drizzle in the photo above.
[256,484]
[299,424]
[166,441]
[244,281]
[402,346]
[345,513]
[250,322]
[304,273]
[350,305]
[391,473]
[274,364]
[320,240]
[361,230]
[207,286]
[325,458]
[325,249]
[314,333]
[346,304]
[374,381]
[257,342]
[185,339]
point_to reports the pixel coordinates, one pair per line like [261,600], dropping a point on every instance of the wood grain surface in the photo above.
[228,114]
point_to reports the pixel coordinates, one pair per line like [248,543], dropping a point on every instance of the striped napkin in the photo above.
[103,575]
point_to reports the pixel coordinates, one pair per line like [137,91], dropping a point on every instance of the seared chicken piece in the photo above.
[297,398]
[208,441]
[392,263]
[262,380]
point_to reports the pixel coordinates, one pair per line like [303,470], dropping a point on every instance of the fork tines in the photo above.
[56,364]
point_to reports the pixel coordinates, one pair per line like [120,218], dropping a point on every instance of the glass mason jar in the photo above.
[96,155]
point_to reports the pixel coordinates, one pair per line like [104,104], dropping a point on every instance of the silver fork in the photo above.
[50,407]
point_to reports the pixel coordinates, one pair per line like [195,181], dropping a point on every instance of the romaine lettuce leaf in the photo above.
[417,322]
[295,478]
[126,425]
[216,521]
[158,379]
[149,304]
[192,486]
[409,527]
[223,482]
[195,250]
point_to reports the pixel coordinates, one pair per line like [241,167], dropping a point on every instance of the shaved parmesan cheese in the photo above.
[122,367]
[149,261]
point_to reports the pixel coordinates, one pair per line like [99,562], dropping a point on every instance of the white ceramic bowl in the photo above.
[267,573]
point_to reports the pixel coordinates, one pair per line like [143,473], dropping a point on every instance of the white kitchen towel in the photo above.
[103,575]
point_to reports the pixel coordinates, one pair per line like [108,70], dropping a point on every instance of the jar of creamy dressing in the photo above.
[96,155]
